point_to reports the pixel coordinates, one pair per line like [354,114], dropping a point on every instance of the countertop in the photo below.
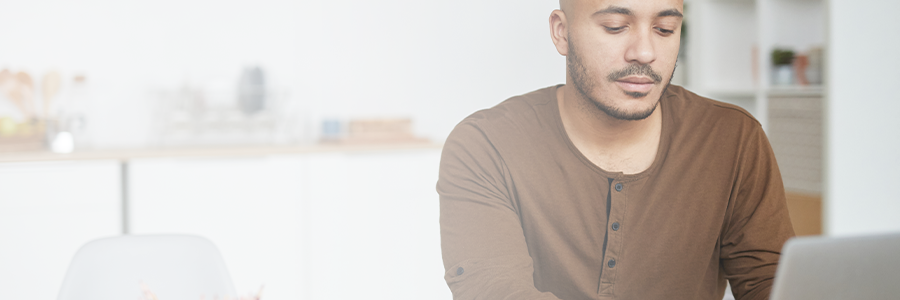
[208,151]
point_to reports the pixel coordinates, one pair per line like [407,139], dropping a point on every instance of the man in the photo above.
[615,185]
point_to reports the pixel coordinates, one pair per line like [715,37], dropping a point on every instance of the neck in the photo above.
[612,144]
[590,124]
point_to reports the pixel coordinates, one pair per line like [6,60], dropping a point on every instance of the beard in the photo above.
[585,83]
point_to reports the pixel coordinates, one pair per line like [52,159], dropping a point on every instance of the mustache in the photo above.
[635,69]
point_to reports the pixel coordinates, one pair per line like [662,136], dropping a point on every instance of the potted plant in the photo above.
[782,72]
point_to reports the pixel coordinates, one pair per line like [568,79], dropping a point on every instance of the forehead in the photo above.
[574,8]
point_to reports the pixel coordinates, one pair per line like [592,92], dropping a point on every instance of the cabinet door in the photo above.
[247,206]
[47,212]
[373,230]
[316,226]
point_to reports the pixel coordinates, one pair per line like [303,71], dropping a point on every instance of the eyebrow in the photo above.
[614,10]
[670,13]
[624,11]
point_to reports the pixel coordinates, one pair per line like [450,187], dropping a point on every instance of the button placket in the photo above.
[615,239]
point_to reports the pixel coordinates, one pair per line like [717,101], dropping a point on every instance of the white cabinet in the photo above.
[373,227]
[248,206]
[335,225]
[47,211]
[322,224]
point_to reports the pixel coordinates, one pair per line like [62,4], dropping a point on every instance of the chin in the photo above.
[640,113]
[631,111]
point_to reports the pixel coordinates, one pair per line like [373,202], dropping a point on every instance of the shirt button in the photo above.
[615,226]
[459,271]
[618,187]
[611,263]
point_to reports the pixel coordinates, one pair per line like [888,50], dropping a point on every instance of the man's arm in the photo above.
[482,242]
[758,224]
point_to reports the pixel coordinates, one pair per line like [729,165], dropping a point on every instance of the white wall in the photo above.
[863,127]
[434,61]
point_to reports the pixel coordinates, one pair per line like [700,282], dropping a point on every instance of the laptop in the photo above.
[824,268]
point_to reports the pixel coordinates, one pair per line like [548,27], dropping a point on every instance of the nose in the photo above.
[641,49]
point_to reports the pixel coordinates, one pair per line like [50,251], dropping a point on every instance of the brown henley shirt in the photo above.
[524,215]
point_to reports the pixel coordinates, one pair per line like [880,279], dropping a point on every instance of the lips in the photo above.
[637,84]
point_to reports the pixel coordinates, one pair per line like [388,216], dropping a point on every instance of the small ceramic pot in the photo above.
[783,75]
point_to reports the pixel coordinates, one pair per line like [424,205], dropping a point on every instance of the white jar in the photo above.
[783,75]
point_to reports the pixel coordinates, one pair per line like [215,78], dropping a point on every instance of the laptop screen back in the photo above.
[824,268]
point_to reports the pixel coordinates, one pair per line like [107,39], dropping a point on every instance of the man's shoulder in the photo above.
[697,110]
[522,113]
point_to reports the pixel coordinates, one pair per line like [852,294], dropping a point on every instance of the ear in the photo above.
[559,31]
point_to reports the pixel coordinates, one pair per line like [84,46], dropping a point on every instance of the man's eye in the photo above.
[614,29]
[665,31]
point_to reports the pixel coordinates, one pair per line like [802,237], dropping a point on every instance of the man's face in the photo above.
[622,53]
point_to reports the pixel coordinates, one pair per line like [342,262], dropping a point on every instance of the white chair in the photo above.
[172,267]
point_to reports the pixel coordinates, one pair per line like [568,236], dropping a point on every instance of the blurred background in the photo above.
[303,137]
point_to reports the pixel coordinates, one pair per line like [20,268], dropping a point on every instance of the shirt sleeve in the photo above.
[482,241]
[759,224]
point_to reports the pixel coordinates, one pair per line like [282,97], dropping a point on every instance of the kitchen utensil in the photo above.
[20,89]
[252,90]
[8,83]
[50,88]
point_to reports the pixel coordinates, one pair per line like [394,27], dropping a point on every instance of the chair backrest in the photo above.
[171,266]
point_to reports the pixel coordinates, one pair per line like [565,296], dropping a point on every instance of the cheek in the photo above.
[595,48]
[669,51]
[667,58]
[604,60]
[669,68]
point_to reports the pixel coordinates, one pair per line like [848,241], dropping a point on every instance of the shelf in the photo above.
[729,93]
[221,151]
[731,1]
[796,90]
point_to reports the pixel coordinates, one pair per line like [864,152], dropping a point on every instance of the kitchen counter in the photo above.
[209,151]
